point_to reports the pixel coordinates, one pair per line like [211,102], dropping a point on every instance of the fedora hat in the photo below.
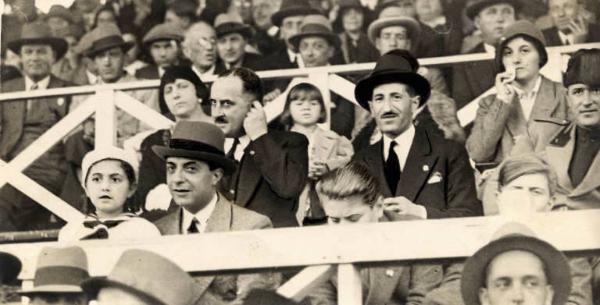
[38,33]
[106,37]
[515,236]
[396,66]
[163,31]
[231,23]
[315,25]
[266,297]
[149,276]
[522,28]
[197,140]
[60,11]
[59,270]
[392,16]
[476,6]
[292,8]
[10,267]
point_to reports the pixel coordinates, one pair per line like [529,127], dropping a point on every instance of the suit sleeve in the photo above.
[581,277]
[423,279]
[489,125]
[283,164]
[448,293]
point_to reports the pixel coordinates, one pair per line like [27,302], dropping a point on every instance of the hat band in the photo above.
[315,28]
[59,275]
[195,146]
[107,42]
[230,27]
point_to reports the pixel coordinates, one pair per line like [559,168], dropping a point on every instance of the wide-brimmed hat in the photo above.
[60,11]
[579,69]
[111,153]
[197,140]
[10,267]
[510,237]
[231,23]
[396,66]
[149,276]
[392,16]
[522,28]
[292,8]
[59,270]
[38,33]
[106,37]
[163,31]
[315,25]
[475,6]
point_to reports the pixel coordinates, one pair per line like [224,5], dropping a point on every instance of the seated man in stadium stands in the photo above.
[516,268]
[522,95]
[24,121]
[181,13]
[569,24]
[142,277]
[57,276]
[491,18]
[317,45]
[196,162]
[200,47]
[266,34]
[273,164]
[420,173]
[232,38]
[350,195]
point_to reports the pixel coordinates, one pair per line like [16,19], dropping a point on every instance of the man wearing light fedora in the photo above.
[516,268]
[196,162]
[24,121]
[232,38]
[58,274]
[141,277]
[420,173]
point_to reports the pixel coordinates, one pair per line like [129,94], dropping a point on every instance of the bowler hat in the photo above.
[149,276]
[10,266]
[38,33]
[579,68]
[516,237]
[106,37]
[163,31]
[476,6]
[518,29]
[231,23]
[315,25]
[59,270]
[393,16]
[197,140]
[292,8]
[396,66]
[60,11]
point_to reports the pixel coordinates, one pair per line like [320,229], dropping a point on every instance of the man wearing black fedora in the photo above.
[420,173]
[232,38]
[24,121]
[195,162]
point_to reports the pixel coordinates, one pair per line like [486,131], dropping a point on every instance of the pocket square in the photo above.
[435,178]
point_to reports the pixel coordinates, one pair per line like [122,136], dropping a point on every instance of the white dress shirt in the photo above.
[41,85]
[489,48]
[239,150]
[528,99]
[210,72]
[404,142]
[295,57]
[202,216]
[566,39]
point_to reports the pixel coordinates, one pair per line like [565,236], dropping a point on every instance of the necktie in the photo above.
[392,168]
[194,226]
[231,152]
[29,101]
[316,211]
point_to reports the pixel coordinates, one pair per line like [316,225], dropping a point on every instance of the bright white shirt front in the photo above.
[295,57]
[404,142]
[239,150]
[202,216]
[204,75]
[489,48]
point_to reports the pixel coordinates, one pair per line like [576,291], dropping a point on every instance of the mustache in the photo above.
[221,119]
[388,114]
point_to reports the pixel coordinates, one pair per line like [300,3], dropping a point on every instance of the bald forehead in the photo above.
[199,29]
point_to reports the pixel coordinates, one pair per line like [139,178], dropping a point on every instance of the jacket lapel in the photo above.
[14,116]
[374,160]
[591,180]
[419,164]
[546,101]
[249,172]
[559,156]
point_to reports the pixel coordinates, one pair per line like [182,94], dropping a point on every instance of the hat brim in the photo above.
[125,46]
[278,17]
[93,285]
[244,30]
[10,267]
[364,88]
[333,39]
[51,289]
[59,45]
[152,40]
[164,152]
[557,267]
[474,9]
[411,25]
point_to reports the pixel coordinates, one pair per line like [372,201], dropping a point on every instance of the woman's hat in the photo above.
[315,25]
[393,16]
[515,236]
[112,153]
[292,8]
[396,66]
[106,37]
[59,270]
[476,6]
[38,33]
[182,72]
[149,276]
[197,140]
[231,23]
[518,29]
[10,267]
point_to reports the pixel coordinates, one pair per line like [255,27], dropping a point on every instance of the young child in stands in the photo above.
[109,178]
[304,110]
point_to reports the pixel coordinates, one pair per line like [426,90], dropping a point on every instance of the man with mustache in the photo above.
[420,173]
[273,165]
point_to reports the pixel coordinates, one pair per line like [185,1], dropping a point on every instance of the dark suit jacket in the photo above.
[271,175]
[552,38]
[251,61]
[437,175]
[278,60]
[147,72]
[469,80]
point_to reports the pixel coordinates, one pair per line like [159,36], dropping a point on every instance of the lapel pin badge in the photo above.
[425,168]
[389,272]
[60,101]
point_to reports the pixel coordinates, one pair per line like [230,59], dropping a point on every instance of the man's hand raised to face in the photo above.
[255,123]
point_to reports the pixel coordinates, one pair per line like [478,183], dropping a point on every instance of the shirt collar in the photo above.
[403,139]
[206,74]
[43,84]
[489,48]
[202,215]
[536,88]
[439,20]
[564,37]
